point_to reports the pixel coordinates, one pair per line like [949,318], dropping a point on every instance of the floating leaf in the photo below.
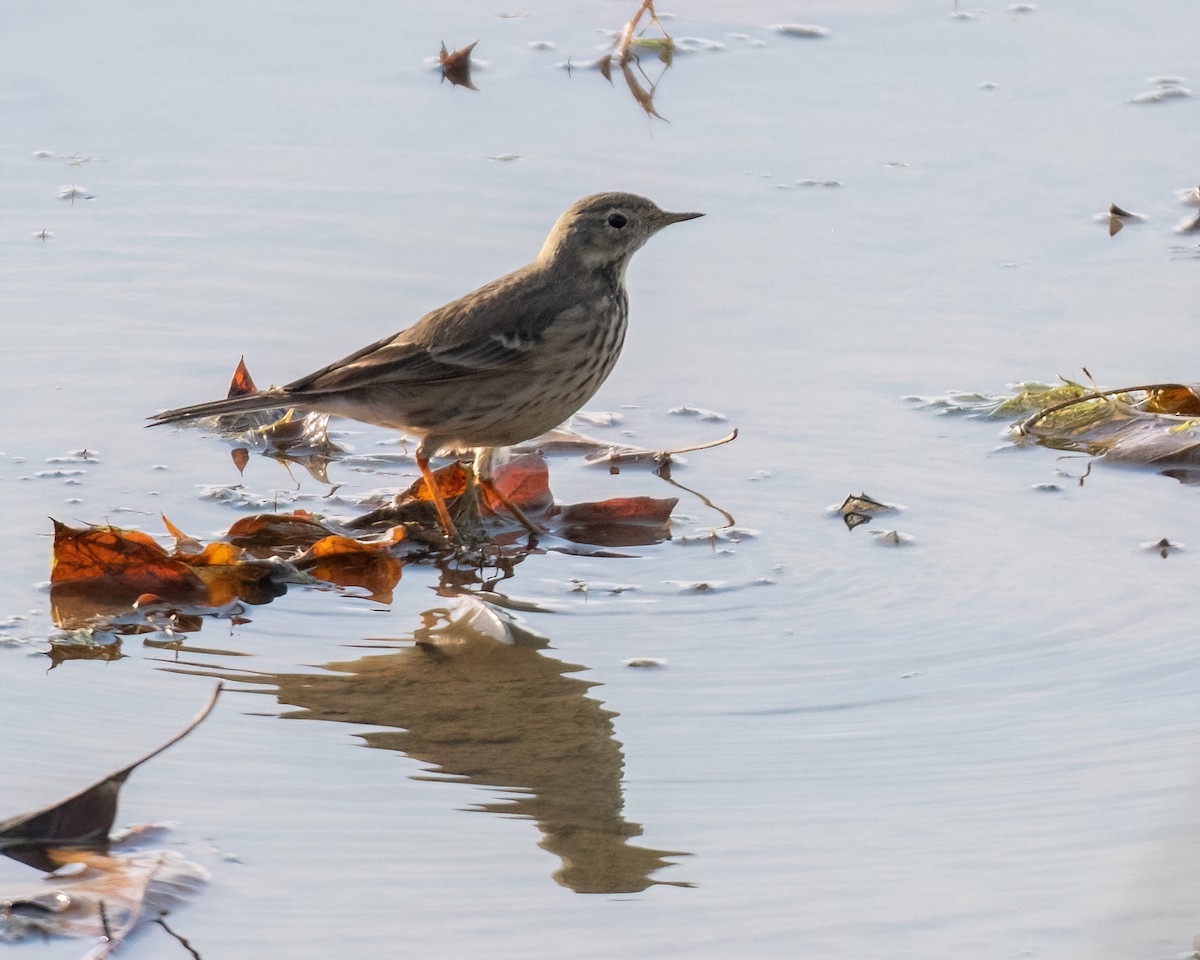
[183,543]
[451,482]
[119,563]
[242,383]
[263,531]
[524,481]
[1135,425]
[456,66]
[621,522]
[85,817]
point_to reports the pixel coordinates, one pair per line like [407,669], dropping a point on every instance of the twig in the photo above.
[621,52]
[1026,425]
[182,940]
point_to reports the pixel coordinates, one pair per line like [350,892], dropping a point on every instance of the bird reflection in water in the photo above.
[478,700]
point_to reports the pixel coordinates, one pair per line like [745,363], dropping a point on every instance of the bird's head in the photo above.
[605,230]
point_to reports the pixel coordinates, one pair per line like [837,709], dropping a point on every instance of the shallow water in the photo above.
[982,743]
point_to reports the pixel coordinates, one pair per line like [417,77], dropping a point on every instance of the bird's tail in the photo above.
[247,403]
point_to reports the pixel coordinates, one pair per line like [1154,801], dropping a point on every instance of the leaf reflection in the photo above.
[478,700]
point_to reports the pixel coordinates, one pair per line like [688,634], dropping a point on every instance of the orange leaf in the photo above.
[525,481]
[456,66]
[335,545]
[1180,401]
[297,529]
[619,510]
[125,562]
[451,481]
[623,522]
[377,572]
[216,555]
[242,383]
[182,540]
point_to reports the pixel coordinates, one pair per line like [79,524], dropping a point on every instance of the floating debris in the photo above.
[1189,224]
[646,662]
[805,31]
[1163,547]
[73,192]
[695,44]
[857,510]
[1165,88]
[456,66]
[1116,218]
[1189,198]
[1022,8]
[892,538]
[708,416]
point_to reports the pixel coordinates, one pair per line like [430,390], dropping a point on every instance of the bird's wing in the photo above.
[479,334]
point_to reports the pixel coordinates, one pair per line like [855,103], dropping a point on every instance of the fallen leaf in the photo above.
[456,66]
[1176,399]
[265,531]
[377,573]
[183,542]
[242,383]
[524,481]
[99,897]
[84,818]
[451,482]
[621,522]
[118,563]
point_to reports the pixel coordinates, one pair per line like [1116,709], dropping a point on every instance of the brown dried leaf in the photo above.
[242,383]
[1177,399]
[451,482]
[118,563]
[86,816]
[456,66]
[183,542]
[378,573]
[267,530]
[523,481]
[621,522]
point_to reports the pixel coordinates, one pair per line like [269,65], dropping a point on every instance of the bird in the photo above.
[498,366]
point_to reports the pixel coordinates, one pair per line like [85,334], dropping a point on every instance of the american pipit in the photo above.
[498,366]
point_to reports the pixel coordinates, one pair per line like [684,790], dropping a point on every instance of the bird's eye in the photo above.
[617,220]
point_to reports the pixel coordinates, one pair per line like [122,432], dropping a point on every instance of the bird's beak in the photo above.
[669,218]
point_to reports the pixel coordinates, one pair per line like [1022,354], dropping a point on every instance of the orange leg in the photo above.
[438,503]
[511,507]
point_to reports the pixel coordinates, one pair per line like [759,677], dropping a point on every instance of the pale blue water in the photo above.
[981,744]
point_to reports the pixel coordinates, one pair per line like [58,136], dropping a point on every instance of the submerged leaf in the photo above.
[1143,425]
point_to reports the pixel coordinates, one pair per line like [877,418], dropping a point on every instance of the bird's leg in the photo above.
[439,503]
[483,476]
[492,491]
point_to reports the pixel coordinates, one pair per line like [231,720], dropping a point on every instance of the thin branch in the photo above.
[182,940]
[1026,425]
